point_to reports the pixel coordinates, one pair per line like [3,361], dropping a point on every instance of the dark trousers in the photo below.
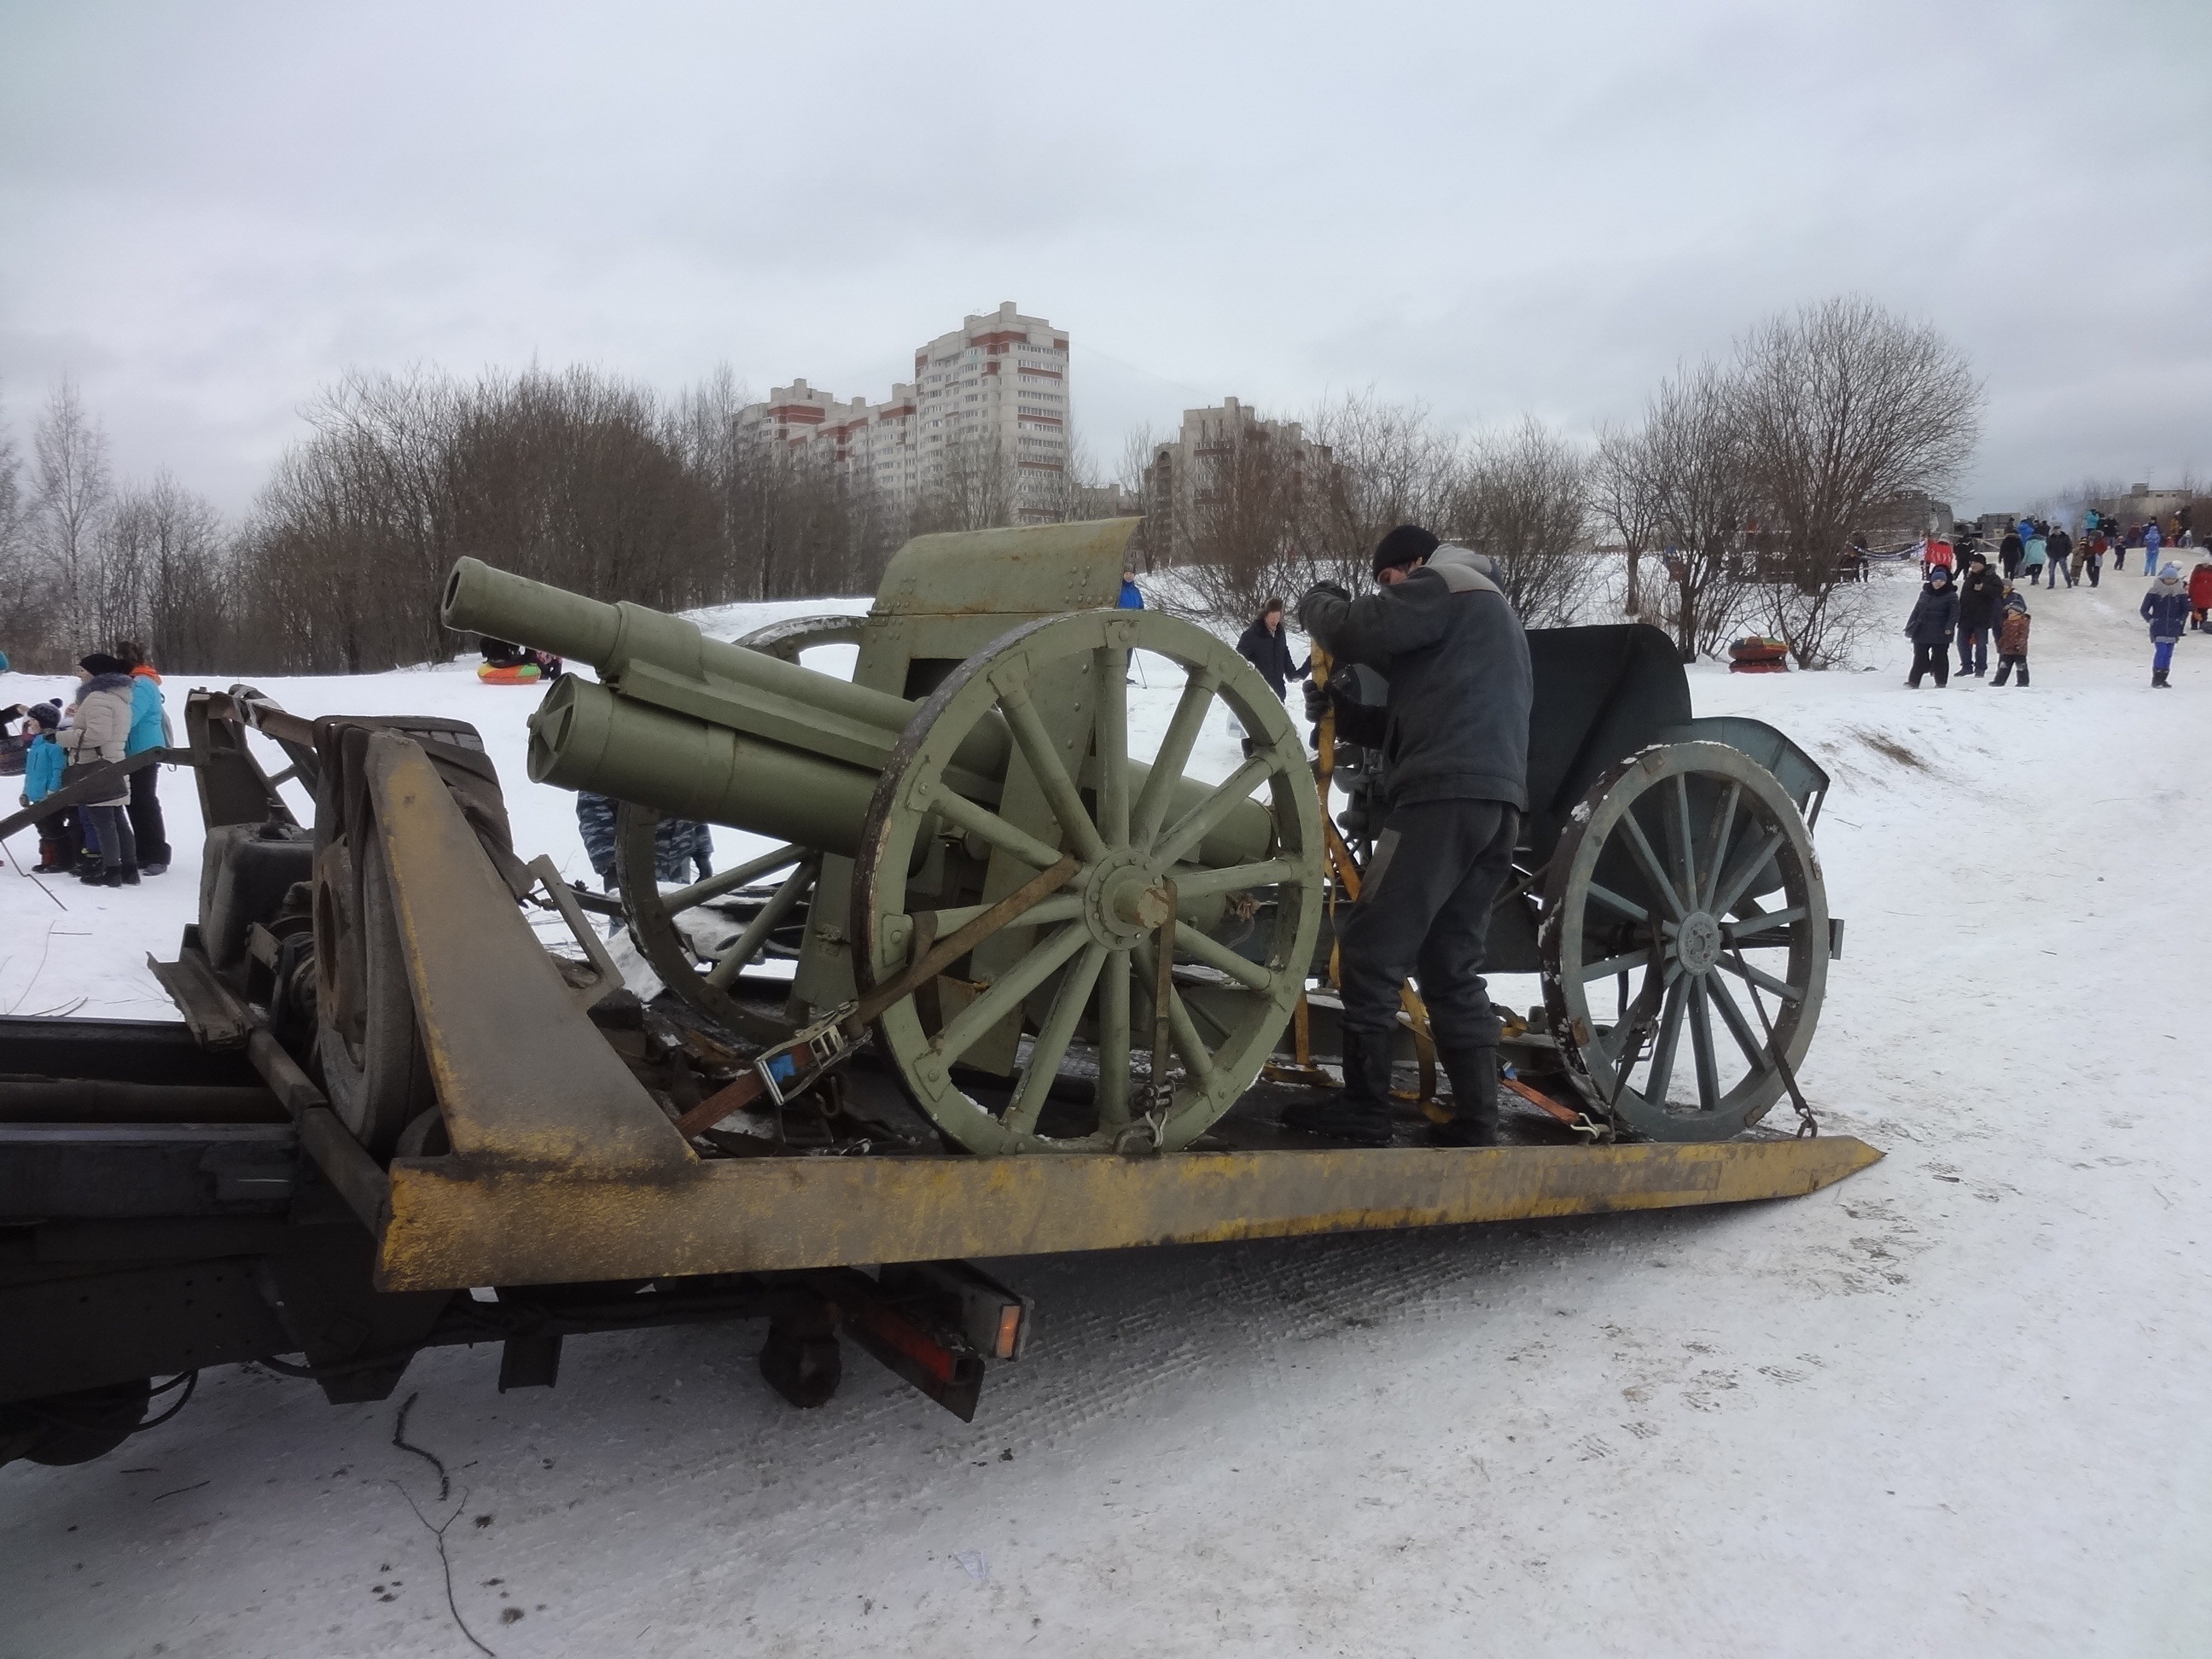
[1424,914]
[2006,665]
[1973,649]
[2011,562]
[2094,566]
[111,825]
[146,825]
[1930,659]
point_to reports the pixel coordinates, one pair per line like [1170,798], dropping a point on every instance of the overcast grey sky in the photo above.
[209,211]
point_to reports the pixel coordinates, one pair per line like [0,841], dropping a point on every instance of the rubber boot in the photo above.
[2158,678]
[1360,1112]
[1473,1074]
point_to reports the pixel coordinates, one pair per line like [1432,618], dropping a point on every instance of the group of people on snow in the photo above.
[116,835]
[1967,610]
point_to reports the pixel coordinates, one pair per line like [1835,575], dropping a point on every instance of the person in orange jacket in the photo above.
[2200,597]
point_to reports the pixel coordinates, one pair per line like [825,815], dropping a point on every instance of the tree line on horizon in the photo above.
[598,484]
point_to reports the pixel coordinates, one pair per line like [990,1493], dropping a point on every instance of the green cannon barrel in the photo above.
[704,729]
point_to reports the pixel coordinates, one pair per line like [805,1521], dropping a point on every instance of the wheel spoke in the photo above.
[1765,981]
[1218,957]
[1723,827]
[1061,906]
[1654,871]
[983,822]
[1750,933]
[1741,877]
[1175,754]
[1045,765]
[1754,1050]
[1052,1039]
[1110,738]
[1662,1054]
[1701,1046]
[1234,877]
[1686,839]
[1008,993]
[1619,964]
[1114,1041]
[1183,837]
[770,916]
[1195,1056]
[729,880]
[1606,896]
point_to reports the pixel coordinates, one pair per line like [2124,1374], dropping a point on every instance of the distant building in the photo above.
[1186,472]
[2142,502]
[1906,517]
[994,392]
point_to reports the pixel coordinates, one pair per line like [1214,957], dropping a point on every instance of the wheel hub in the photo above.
[1122,901]
[1698,944]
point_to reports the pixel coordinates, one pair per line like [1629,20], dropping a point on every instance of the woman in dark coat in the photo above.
[1934,623]
[1264,646]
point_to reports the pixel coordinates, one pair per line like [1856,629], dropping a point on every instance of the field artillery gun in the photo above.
[391,1092]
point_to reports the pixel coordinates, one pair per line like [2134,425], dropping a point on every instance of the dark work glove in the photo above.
[1340,591]
[1318,702]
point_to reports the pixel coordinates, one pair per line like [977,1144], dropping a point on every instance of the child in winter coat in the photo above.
[1931,627]
[2012,639]
[2200,596]
[60,843]
[2165,608]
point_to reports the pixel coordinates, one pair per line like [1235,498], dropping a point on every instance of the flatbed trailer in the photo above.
[167,1207]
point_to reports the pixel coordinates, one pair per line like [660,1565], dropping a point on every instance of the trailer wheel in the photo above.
[1685,878]
[74,1427]
[375,1068]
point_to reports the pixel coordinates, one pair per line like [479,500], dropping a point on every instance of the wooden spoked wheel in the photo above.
[701,937]
[1684,896]
[1083,962]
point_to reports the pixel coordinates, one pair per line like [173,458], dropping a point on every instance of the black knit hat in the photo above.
[99,662]
[1408,543]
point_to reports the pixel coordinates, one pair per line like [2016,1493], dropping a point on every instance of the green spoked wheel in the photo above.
[1082,965]
[1684,911]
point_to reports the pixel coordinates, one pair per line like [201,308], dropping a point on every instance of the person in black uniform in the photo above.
[1454,737]
[1265,648]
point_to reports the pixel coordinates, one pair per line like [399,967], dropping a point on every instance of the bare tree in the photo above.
[1524,498]
[973,487]
[1694,459]
[73,490]
[1844,405]
[1391,466]
[1625,498]
[25,602]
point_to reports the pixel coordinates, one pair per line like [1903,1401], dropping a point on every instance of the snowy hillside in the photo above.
[1954,1404]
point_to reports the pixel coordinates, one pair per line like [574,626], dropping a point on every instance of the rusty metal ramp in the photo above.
[450,1227]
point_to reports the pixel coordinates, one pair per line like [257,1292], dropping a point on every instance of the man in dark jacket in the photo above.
[1934,622]
[2008,555]
[1454,737]
[1979,596]
[2061,548]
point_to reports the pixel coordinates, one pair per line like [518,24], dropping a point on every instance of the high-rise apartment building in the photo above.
[1190,474]
[991,394]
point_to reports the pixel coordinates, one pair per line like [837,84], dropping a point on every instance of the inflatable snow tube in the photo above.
[1756,655]
[527,674]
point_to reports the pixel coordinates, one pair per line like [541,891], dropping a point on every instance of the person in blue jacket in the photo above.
[60,842]
[149,729]
[2165,608]
[1131,598]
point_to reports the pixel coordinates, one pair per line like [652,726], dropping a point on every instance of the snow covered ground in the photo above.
[1954,1405]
